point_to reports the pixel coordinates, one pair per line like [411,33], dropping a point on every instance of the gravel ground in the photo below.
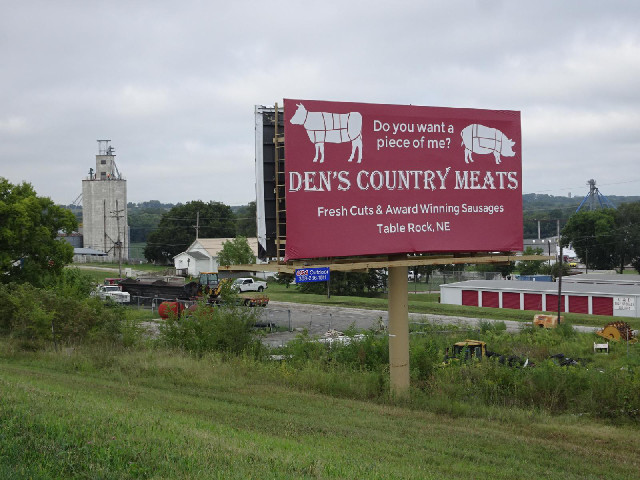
[341,318]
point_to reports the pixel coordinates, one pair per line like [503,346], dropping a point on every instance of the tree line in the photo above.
[178,227]
[168,229]
[605,239]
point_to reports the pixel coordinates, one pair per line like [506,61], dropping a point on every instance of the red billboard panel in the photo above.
[366,179]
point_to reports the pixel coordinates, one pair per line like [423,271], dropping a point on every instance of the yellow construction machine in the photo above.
[546,321]
[617,331]
[468,349]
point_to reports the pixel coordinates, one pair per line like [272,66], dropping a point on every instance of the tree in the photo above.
[29,226]
[531,267]
[593,237]
[236,252]
[627,235]
[554,269]
[606,238]
[144,218]
[246,220]
[177,228]
[504,269]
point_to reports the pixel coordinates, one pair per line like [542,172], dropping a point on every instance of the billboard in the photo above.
[367,179]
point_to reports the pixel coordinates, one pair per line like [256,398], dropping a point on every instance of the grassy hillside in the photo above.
[86,392]
[101,413]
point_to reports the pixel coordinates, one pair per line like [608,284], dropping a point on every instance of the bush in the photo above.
[424,358]
[370,352]
[38,315]
[207,328]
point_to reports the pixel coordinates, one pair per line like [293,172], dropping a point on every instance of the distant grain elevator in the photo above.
[104,206]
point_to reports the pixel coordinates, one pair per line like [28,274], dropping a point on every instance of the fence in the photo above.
[442,278]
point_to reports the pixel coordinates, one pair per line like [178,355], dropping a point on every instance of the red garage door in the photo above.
[470,298]
[578,304]
[511,300]
[552,303]
[602,305]
[490,299]
[532,301]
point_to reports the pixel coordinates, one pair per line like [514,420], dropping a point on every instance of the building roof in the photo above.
[601,278]
[197,255]
[212,246]
[547,287]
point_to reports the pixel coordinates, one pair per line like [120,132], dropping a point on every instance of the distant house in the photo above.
[202,255]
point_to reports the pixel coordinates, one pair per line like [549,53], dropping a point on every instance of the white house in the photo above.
[202,255]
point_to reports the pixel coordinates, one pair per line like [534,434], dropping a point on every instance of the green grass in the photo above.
[100,413]
[146,267]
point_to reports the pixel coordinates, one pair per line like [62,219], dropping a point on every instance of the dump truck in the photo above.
[159,288]
[208,287]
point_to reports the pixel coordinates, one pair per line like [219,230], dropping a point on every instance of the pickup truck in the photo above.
[247,284]
[113,292]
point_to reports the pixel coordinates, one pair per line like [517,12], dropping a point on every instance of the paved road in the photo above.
[318,319]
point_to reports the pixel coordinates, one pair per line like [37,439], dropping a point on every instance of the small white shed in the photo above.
[202,255]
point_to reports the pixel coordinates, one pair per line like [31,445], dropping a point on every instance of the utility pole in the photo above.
[197,225]
[104,224]
[118,214]
[586,260]
[559,280]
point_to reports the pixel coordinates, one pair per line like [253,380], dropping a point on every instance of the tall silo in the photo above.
[104,206]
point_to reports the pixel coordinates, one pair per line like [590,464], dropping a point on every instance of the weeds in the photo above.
[207,328]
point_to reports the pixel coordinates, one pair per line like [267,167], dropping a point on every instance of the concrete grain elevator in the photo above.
[104,207]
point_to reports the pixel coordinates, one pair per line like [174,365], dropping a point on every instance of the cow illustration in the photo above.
[323,127]
[480,139]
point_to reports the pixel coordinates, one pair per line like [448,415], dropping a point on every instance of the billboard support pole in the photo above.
[399,330]
[277,178]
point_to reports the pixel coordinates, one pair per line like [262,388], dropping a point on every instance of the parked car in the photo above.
[247,284]
[411,277]
[113,292]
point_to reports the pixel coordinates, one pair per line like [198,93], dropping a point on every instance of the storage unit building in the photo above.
[594,299]
[603,279]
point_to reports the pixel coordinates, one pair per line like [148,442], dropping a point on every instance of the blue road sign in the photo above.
[312,274]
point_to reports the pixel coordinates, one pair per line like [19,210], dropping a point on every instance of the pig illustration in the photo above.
[480,139]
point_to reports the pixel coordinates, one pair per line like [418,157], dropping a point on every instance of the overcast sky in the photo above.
[173,84]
